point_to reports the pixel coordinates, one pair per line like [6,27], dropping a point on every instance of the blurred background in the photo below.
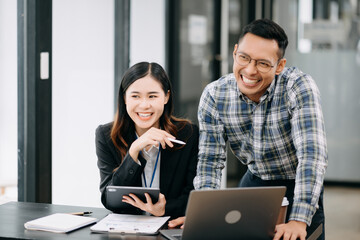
[61,63]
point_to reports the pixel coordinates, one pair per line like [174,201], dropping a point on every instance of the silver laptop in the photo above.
[235,213]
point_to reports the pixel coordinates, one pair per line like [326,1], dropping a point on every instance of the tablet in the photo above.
[114,195]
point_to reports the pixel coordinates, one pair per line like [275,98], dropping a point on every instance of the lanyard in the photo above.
[153,175]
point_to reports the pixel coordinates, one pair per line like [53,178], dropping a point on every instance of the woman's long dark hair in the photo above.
[123,123]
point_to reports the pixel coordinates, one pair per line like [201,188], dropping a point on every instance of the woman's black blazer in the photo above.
[177,168]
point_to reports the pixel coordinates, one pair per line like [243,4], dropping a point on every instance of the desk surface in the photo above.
[13,215]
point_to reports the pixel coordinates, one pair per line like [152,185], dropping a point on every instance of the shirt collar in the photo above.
[270,90]
[153,150]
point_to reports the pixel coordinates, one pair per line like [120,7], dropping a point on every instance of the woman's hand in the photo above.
[157,209]
[153,136]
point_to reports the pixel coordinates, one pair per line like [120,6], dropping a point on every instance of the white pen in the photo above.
[176,141]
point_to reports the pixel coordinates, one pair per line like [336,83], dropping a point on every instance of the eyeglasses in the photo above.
[262,66]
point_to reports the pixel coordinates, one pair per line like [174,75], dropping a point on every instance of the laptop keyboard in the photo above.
[176,236]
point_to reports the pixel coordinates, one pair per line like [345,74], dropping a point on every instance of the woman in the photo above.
[135,149]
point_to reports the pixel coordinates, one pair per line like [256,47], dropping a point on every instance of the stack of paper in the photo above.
[59,223]
[125,223]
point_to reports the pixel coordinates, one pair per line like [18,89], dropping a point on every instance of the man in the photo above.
[272,118]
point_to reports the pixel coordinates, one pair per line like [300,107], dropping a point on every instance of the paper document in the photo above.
[59,223]
[126,223]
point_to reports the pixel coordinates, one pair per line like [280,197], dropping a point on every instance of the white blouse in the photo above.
[150,157]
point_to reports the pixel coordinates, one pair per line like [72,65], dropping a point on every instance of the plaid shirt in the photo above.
[281,137]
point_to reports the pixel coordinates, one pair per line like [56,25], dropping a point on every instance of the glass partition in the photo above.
[196,54]
[326,36]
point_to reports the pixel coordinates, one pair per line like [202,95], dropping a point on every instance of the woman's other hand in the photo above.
[157,209]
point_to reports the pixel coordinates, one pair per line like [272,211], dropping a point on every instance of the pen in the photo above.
[176,141]
[81,213]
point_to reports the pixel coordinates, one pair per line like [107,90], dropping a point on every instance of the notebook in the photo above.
[59,223]
[235,213]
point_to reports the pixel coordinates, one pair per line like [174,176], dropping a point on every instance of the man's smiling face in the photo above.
[250,81]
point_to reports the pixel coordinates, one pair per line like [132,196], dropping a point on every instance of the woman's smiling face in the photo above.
[145,100]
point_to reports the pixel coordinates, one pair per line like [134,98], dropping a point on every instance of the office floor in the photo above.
[342,211]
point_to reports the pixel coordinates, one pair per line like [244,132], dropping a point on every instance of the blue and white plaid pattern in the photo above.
[281,137]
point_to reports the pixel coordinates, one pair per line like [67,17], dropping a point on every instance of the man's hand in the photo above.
[177,222]
[157,209]
[290,231]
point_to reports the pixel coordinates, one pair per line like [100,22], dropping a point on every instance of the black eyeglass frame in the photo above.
[256,62]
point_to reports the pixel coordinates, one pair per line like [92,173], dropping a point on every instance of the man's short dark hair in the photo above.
[268,29]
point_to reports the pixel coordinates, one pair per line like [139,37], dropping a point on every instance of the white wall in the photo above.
[147,31]
[8,91]
[83,79]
